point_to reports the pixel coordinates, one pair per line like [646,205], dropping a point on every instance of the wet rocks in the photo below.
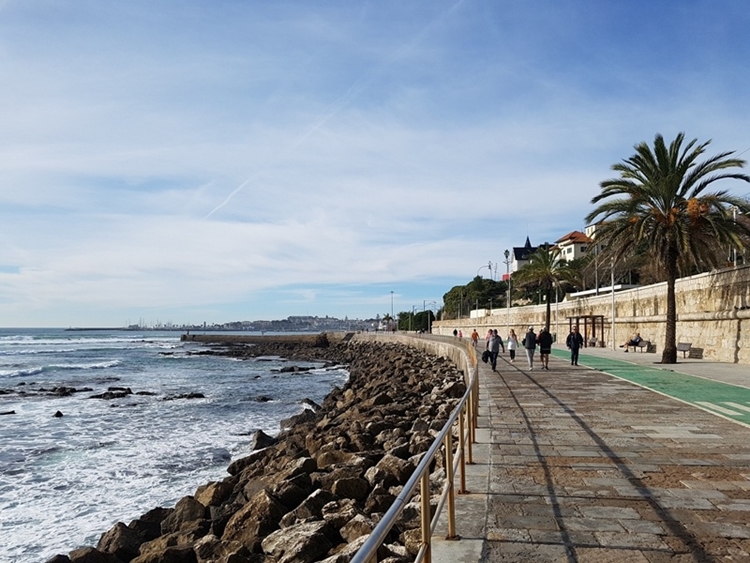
[113,393]
[316,490]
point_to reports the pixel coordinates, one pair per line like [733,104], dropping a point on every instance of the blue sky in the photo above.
[184,161]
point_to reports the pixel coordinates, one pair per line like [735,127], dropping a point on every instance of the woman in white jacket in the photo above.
[512,345]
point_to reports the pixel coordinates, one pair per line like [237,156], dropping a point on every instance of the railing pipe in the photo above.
[449,485]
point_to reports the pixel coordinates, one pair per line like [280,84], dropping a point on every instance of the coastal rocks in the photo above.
[316,490]
[301,543]
[254,521]
[122,541]
[184,396]
[113,393]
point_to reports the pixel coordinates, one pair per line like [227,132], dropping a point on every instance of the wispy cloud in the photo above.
[239,160]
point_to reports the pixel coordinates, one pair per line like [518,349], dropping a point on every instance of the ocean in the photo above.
[66,480]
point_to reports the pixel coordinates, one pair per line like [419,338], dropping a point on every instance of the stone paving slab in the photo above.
[574,465]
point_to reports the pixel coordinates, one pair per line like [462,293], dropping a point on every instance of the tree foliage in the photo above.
[660,207]
[545,271]
[482,292]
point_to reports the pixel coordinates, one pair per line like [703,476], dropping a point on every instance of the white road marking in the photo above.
[717,408]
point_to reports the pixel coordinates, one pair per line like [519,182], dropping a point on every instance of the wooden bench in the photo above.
[684,347]
[642,344]
[592,342]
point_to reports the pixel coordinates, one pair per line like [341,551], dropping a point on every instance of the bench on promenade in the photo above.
[685,348]
[642,344]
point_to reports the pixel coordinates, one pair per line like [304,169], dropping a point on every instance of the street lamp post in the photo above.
[488,266]
[507,297]
[391,306]
[429,317]
[734,248]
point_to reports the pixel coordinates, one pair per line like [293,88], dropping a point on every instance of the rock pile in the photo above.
[318,490]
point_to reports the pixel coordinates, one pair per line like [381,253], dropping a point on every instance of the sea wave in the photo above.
[22,372]
[34,370]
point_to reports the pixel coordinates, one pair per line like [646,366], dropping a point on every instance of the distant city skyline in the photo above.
[249,160]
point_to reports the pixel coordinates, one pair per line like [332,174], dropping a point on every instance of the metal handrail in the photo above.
[466,408]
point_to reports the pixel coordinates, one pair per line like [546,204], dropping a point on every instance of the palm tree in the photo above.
[544,270]
[660,206]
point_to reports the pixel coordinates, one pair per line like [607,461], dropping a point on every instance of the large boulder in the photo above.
[92,555]
[261,440]
[210,549]
[301,543]
[148,526]
[189,533]
[291,492]
[254,521]
[215,493]
[358,526]
[187,509]
[177,554]
[400,469]
[122,541]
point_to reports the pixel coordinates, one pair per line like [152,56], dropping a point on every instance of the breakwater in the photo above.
[317,489]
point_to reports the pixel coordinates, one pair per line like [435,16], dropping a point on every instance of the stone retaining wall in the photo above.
[713,310]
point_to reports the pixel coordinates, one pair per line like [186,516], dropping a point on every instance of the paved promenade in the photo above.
[589,464]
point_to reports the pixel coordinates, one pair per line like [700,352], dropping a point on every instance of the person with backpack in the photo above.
[495,344]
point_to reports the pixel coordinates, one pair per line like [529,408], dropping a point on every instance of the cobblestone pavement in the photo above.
[575,465]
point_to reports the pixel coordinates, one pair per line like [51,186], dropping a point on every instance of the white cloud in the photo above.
[234,158]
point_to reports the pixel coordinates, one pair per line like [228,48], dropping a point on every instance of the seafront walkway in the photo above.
[619,459]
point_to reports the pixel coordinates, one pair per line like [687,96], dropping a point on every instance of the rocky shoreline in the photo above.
[315,491]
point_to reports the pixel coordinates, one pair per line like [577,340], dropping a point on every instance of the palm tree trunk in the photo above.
[549,308]
[669,355]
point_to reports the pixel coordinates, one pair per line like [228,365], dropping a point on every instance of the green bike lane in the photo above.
[723,399]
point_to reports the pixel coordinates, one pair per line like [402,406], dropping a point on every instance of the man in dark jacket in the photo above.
[529,343]
[545,346]
[495,344]
[574,343]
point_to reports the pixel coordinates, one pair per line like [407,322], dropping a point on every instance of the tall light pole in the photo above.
[734,249]
[612,282]
[507,297]
[488,266]
[391,306]
[429,317]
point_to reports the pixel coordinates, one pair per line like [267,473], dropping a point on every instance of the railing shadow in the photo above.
[688,539]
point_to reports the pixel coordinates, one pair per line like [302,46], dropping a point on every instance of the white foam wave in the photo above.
[96,365]
[21,372]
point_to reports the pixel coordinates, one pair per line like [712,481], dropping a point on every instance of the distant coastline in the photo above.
[295,324]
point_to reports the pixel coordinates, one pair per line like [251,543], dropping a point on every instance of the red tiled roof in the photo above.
[574,237]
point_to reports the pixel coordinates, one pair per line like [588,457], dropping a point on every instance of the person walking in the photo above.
[545,346]
[487,339]
[574,343]
[495,344]
[474,338]
[512,345]
[529,344]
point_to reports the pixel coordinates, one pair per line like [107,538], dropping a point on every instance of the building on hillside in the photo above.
[519,257]
[574,245]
